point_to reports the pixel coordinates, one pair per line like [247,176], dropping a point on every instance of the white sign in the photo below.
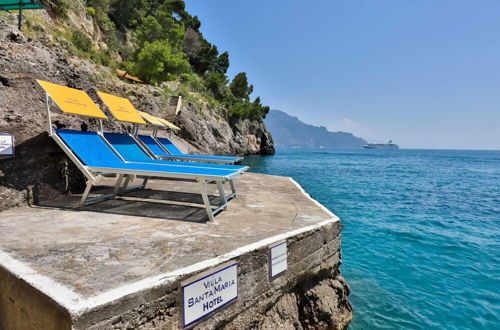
[278,259]
[6,145]
[209,292]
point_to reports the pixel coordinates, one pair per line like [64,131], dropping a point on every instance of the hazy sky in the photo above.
[425,74]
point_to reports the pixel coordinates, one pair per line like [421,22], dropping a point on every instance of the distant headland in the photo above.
[291,132]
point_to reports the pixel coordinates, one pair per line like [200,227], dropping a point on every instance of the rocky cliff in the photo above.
[40,170]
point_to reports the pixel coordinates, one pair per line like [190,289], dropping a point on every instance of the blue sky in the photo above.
[425,74]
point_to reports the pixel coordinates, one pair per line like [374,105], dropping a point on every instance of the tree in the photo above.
[149,31]
[240,88]
[222,63]
[192,22]
[258,111]
[128,13]
[215,82]
[161,26]
[156,62]
[204,61]
[173,31]
[174,6]
[192,42]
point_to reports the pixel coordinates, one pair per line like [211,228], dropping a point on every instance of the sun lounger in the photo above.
[131,150]
[94,157]
[161,148]
[134,151]
[165,149]
[91,152]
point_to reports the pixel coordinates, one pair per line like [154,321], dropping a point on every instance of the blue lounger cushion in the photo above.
[176,152]
[170,146]
[153,146]
[128,148]
[93,151]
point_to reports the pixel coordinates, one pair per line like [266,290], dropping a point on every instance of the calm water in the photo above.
[421,239]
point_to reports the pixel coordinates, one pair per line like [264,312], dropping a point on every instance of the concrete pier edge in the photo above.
[77,305]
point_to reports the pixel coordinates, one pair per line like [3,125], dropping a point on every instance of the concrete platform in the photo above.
[99,265]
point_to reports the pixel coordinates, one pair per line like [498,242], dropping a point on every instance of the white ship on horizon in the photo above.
[388,145]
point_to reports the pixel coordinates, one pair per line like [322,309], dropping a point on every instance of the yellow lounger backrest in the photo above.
[167,123]
[152,119]
[121,108]
[72,101]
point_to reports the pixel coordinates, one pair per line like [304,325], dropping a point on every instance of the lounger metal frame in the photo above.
[93,173]
[144,148]
[177,157]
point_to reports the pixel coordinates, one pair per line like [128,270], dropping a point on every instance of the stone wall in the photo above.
[310,295]
[24,307]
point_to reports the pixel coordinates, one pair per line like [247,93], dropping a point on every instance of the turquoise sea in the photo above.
[421,237]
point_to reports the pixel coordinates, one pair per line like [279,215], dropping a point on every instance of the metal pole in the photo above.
[47,101]
[101,128]
[20,16]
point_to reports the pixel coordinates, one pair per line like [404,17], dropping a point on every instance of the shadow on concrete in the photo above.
[149,203]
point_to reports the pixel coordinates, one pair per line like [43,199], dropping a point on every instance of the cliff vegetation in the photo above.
[156,40]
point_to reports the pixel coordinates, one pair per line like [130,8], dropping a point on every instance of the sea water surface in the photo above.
[421,236]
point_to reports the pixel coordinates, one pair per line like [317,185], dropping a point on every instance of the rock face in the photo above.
[40,170]
[216,135]
[318,303]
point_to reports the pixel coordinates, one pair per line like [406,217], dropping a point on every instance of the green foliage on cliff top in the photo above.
[158,40]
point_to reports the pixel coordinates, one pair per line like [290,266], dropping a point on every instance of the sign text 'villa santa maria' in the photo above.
[208,292]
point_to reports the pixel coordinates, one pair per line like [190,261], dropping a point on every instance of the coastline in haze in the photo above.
[288,131]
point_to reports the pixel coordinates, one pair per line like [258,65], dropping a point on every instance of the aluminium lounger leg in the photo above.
[233,190]
[222,193]
[85,197]
[130,179]
[206,201]
[90,183]
[118,184]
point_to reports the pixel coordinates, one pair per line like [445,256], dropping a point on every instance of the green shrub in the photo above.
[193,81]
[103,57]
[91,11]
[81,41]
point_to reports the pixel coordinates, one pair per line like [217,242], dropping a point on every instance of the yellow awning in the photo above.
[72,101]
[167,123]
[125,74]
[152,119]
[121,108]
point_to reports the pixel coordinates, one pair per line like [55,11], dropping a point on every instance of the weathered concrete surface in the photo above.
[118,264]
